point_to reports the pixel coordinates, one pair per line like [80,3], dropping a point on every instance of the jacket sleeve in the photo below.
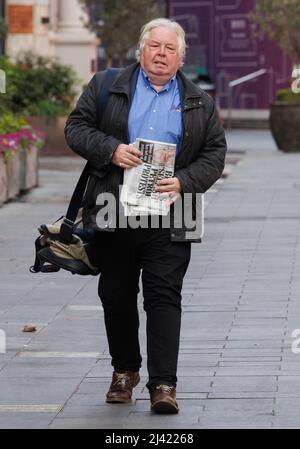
[81,131]
[202,173]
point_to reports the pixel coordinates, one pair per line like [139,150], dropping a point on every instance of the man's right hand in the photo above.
[126,156]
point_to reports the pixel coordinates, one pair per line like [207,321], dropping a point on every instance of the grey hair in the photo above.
[162,23]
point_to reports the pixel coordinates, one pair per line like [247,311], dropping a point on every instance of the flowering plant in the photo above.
[17,135]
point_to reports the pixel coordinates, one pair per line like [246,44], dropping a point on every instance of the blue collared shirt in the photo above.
[155,115]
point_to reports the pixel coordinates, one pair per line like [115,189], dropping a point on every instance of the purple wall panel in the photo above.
[221,37]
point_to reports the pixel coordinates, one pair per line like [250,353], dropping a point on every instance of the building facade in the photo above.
[223,40]
[53,28]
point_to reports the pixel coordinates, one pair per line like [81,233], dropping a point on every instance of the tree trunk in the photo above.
[109,61]
[122,58]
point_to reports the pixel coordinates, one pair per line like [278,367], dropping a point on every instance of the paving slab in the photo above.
[240,306]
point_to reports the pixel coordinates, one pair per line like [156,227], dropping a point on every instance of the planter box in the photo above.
[32,167]
[13,176]
[284,121]
[19,173]
[22,170]
[55,139]
[29,168]
[3,181]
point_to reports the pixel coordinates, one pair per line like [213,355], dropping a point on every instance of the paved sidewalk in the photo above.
[240,303]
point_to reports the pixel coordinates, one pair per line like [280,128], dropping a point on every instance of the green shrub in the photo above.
[46,108]
[288,96]
[10,124]
[38,86]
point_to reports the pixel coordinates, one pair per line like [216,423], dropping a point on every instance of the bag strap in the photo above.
[102,100]
[38,265]
[66,228]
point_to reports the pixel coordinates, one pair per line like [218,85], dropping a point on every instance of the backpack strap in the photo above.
[66,229]
[102,99]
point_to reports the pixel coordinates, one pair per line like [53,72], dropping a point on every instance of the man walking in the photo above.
[153,100]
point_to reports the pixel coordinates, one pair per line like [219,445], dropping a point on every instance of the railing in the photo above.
[237,82]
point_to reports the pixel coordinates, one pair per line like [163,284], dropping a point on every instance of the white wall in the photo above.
[38,42]
[65,37]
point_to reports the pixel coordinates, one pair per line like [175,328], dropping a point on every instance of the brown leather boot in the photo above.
[121,387]
[163,399]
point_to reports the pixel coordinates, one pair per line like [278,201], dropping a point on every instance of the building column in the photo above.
[72,43]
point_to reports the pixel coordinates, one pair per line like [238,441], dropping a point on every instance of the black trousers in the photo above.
[125,253]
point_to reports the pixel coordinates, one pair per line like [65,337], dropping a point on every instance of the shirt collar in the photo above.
[147,81]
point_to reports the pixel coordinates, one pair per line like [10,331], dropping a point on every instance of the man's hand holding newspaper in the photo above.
[149,187]
[171,186]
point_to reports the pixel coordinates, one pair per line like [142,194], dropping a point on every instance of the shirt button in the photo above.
[151,128]
[154,110]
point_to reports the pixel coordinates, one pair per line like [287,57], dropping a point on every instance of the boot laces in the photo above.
[121,379]
[165,388]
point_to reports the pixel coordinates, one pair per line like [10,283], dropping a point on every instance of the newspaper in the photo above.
[138,195]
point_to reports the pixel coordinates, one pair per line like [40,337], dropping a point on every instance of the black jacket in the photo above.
[199,163]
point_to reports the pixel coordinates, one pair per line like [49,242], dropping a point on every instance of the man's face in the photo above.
[160,56]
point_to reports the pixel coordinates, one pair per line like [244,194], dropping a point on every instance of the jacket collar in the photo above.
[187,88]
[125,83]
